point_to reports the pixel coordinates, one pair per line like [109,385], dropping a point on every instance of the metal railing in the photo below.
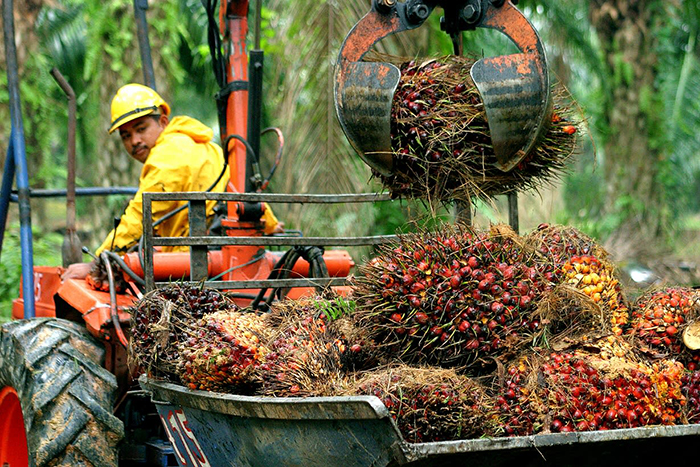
[199,242]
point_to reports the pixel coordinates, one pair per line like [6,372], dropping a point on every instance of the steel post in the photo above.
[20,157]
[8,176]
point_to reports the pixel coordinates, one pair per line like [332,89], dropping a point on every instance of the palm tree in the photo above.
[631,63]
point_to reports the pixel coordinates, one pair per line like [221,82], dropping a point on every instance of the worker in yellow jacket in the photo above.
[177,155]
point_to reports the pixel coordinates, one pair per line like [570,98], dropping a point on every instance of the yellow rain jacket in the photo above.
[184,158]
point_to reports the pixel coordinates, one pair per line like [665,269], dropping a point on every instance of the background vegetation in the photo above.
[632,65]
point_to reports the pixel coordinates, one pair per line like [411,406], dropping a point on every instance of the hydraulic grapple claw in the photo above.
[514,88]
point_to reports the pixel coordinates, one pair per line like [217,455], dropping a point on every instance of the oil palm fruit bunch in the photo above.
[596,279]
[441,143]
[162,318]
[222,352]
[601,385]
[597,299]
[691,389]
[309,347]
[660,321]
[558,243]
[451,296]
[428,404]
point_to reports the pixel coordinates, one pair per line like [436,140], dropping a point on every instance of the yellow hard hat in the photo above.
[133,101]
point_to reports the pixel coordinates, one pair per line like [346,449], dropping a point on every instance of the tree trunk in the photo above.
[631,159]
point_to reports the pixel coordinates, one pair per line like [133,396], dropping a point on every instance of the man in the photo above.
[177,155]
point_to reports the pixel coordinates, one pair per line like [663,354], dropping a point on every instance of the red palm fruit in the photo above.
[659,318]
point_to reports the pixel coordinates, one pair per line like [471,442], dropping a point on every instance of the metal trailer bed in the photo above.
[212,429]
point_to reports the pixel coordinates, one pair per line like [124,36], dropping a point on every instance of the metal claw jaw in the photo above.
[514,88]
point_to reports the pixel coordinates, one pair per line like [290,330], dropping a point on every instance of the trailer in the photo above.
[213,429]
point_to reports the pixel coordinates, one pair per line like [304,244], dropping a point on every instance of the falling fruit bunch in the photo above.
[691,389]
[452,296]
[429,404]
[659,319]
[222,352]
[307,350]
[441,143]
[588,389]
[162,318]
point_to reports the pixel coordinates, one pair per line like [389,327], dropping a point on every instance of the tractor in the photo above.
[67,394]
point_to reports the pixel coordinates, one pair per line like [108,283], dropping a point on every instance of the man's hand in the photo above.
[77,271]
[279,228]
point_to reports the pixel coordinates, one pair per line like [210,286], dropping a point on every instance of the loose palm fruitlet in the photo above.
[429,404]
[452,297]
[599,386]
[162,318]
[440,139]
[222,352]
[659,319]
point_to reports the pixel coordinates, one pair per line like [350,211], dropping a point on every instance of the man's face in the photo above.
[140,135]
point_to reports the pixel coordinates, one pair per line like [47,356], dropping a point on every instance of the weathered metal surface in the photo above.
[364,104]
[364,90]
[274,241]
[252,431]
[659,445]
[514,88]
[266,197]
[218,429]
[267,283]
[199,267]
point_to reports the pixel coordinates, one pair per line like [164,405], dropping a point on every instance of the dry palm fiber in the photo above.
[442,149]
[594,384]
[428,404]
[452,297]
[567,311]
[162,318]
[222,352]
[659,319]
[312,341]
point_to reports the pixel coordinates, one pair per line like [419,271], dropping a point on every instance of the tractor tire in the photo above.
[66,396]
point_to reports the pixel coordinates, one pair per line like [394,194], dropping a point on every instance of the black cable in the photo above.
[257,177]
[185,206]
[273,275]
[248,263]
[284,266]
[278,157]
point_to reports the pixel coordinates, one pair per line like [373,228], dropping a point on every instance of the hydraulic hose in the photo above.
[114,314]
[317,268]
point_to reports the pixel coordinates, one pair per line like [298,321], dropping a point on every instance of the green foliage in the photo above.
[92,42]
[47,251]
[336,308]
